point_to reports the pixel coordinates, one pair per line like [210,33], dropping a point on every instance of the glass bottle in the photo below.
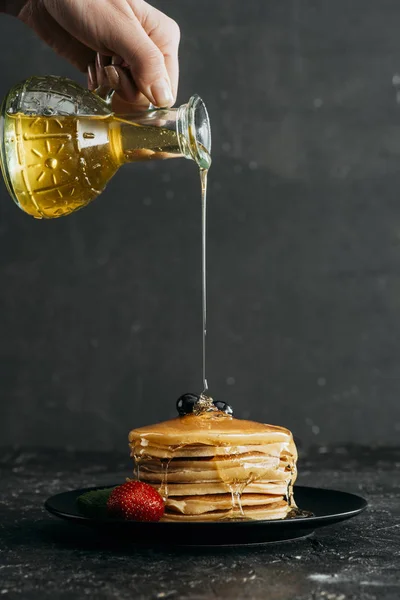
[61,144]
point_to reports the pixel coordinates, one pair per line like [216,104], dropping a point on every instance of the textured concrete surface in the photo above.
[41,557]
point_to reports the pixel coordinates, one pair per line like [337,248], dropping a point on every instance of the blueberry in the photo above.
[223,407]
[185,404]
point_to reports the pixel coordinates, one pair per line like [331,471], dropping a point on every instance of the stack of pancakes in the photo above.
[211,466]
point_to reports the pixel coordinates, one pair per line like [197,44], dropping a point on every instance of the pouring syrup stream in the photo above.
[203,180]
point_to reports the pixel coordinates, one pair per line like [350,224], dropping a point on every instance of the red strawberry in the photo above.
[136,501]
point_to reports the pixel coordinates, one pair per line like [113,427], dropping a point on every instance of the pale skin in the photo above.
[126,45]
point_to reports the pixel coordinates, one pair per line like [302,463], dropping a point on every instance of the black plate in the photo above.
[328,507]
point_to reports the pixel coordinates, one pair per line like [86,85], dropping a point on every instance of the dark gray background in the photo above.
[100,318]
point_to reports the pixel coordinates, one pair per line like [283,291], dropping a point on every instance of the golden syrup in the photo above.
[235,487]
[57,165]
[203,182]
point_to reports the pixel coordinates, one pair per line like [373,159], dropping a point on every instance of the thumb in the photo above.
[146,62]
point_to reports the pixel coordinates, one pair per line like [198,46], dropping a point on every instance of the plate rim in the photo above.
[309,522]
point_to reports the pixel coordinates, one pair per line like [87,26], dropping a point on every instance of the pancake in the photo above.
[277,510]
[211,466]
[198,505]
[258,487]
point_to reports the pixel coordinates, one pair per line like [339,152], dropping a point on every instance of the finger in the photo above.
[121,107]
[172,64]
[101,62]
[146,60]
[117,60]
[92,77]
[165,33]
[122,81]
[119,79]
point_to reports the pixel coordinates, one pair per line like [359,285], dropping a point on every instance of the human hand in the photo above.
[136,44]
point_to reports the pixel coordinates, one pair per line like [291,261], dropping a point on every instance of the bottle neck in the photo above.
[136,138]
[164,133]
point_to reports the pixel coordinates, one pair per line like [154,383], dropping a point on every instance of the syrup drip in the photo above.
[235,488]
[163,489]
[139,455]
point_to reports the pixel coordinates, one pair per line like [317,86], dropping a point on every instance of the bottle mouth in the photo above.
[194,131]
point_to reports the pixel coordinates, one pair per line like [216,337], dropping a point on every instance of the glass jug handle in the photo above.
[105,93]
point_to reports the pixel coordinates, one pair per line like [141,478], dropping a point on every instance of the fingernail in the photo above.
[92,79]
[102,60]
[99,70]
[112,76]
[161,92]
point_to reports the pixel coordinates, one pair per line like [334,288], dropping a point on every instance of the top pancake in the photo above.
[212,428]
